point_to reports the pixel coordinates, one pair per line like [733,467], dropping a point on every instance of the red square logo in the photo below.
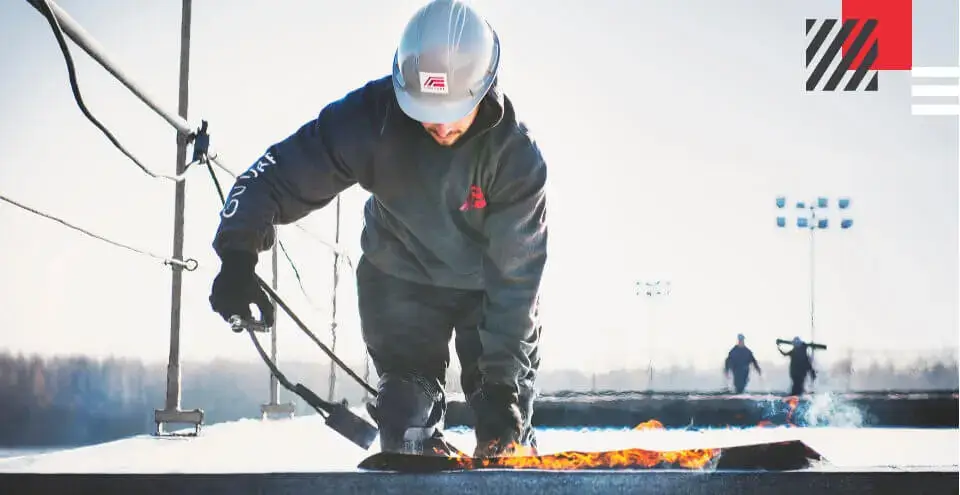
[894,31]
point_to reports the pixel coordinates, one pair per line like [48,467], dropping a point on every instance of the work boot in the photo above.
[428,441]
[409,410]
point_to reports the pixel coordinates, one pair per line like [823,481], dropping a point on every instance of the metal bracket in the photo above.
[177,416]
[201,143]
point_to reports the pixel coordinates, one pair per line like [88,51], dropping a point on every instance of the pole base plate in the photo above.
[271,410]
[163,417]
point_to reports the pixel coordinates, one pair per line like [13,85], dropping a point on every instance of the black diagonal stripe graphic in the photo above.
[865,65]
[831,52]
[810,23]
[872,83]
[847,61]
[818,38]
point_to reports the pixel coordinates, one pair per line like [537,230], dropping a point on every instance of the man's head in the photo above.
[740,339]
[447,59]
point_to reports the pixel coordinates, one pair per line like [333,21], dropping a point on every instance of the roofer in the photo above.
[800,364]
[455,233]
[738,362]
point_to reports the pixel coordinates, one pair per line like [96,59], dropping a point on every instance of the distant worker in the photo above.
[800,363]
[738,362]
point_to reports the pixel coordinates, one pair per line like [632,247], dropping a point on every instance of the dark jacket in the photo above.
[739,360]
[800,364]
[470,216]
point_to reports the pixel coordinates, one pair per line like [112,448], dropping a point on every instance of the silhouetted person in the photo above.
[800,365]
[738,362]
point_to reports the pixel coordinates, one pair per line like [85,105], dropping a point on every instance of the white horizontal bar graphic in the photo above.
[935,109]
[935,90]
[935,72]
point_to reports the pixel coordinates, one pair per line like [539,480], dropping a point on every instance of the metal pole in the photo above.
[173,366]
[813,327]
[662,290]
[333,321]
[274,391]
[172,412]
[650,343]
[814,224]
[653,291]
[273,407]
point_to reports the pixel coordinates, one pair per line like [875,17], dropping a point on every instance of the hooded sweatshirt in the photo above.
[469,216]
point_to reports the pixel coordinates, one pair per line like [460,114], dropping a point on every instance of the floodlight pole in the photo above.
[813,275]
[813,223]
[651,289]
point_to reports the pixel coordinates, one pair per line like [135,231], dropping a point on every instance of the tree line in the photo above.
[60,401]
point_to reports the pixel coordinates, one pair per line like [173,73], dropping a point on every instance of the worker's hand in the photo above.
[235,288]
[499,422]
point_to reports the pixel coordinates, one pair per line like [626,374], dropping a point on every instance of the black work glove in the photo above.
[499,422]
[236,287]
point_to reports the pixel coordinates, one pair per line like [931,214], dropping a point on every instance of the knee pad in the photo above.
[409,409]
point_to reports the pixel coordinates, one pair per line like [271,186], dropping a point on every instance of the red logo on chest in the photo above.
[475,199]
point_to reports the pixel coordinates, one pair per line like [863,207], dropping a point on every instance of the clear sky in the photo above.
[669,128]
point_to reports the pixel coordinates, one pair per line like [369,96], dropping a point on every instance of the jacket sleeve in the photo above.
[753,360]
[515,230]
[298,175]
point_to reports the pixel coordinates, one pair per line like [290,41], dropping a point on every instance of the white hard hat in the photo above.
[446,61]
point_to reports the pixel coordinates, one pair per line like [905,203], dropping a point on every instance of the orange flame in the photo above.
[526,458]
[649,425]
[628,458]
[793,402]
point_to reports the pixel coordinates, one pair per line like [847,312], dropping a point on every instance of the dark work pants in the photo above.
[407,329]
[797,380]
[740,381]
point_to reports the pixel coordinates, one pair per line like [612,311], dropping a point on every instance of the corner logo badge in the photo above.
[848,52]
[870,36]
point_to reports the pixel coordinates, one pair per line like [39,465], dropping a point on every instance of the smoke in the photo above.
[823,409]
[830,410]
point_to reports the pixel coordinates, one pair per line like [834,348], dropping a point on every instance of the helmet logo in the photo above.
[434,82]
